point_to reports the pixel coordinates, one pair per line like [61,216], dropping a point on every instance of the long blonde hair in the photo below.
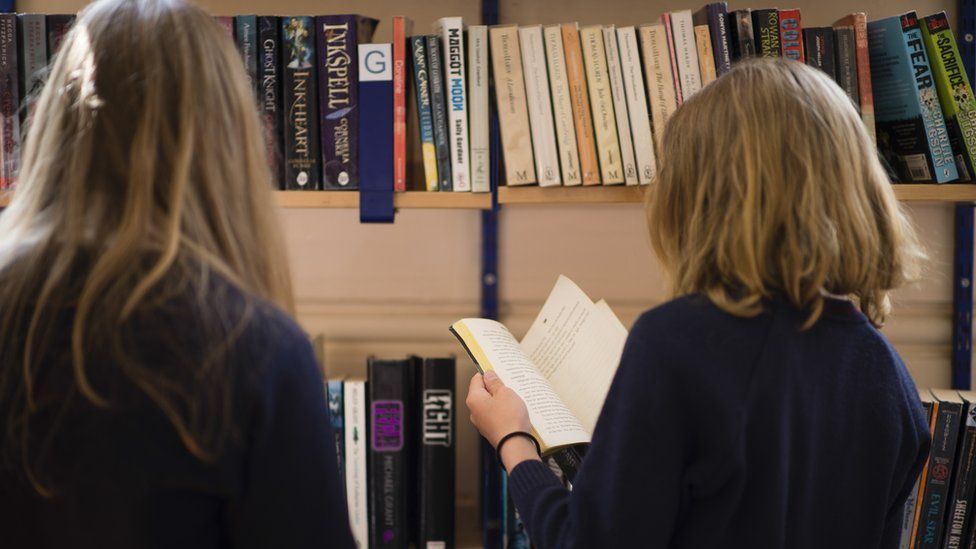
[769,185]
[144,177]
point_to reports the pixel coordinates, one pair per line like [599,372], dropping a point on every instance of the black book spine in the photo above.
[743,38]
[437,453]
[933,502]
[269,77]
[58,25]
[246,36]
[390,402]
[337,38]
[819,45]
[964,482]
[765,24]
[9,101]
[846,65]
[302,154]
[438,106]
[32,58]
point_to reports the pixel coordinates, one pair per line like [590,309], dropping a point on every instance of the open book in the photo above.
[563,366]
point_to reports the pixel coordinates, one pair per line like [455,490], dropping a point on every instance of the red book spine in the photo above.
[666,21]
[791,35]
[399,104]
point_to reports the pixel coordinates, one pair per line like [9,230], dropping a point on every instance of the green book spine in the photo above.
[955,93]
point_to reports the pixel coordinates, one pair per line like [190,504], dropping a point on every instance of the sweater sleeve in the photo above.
[628,491]
[293,493]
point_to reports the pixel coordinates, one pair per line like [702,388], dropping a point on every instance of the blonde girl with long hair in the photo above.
[760,407]
[154,389]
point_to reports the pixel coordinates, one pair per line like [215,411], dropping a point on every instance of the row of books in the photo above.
[395,438]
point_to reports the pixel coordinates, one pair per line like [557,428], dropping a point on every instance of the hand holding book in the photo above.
[498,412]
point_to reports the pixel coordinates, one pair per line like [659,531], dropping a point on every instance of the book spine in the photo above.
[478,108]
[513,113]
[375,99]
[908,517]
[791,35]
[640,119]
[864,92]
[302,160]
[964,482]
[269,81]
[9,101]
[718,23]
[669,35]
[32,61]
[660,84]
[451,29]
[438,107]
[437,453]
[929,408]
[601,102]
[336,414]
[355,445]
[706,61]
[246,35]
[337,37]
[955,92]
[616,78]
[686,53]
[388,405]
[580,101]
[562,106]
[933,502]
[766,27]
[400,24]
[847,63]
[819,49]
[226,22]
[58,26]
[743,37]
[421,82]
[943,161]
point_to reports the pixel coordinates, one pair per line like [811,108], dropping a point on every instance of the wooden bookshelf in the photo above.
[409,199]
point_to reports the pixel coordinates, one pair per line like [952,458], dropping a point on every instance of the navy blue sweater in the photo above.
[721,431]
[122,478]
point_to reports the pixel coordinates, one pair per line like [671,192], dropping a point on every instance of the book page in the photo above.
[576,345]
[493,347]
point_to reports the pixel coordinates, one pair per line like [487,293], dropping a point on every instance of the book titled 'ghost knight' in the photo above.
[301,114]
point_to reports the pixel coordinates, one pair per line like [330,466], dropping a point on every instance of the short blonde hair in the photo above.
[770,185]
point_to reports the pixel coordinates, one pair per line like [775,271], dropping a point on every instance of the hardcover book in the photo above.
[513,112]
[246,35]
[438,109]
[58,26]
[716,17]
[540,108]
[333,393]
[912,135]
[32,60]
[686,53]
[421,82]
[338,38]
[743,38]
[791,35]
[478,108]
[706,63]
[765,23]
[580,100]
[402,27]
[269,99]
[964,478]
[865,95]
[640,119]
[355,445]
[451,31]
[375,99]
[818,43]
[562,106]
[9,101]
[617,93]
[660,84]
[846,64]
[941,464]
[955,92]
[437,453]
[669,34]
[390,399]
[302,158]
[601,102]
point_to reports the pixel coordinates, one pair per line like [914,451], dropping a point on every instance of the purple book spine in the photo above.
[9,101]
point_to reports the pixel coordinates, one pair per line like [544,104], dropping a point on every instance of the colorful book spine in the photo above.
[580,100]
[669,34]
[402,26]
[911,516]
[686,53]
[421,82]
[355,445]
[478,108]
[791,35]
[58,25]
[562,106]
[865,95]
[619,96]
[846,64]
[451,30]
[955,92]
[743,38]
[706,62]
[32,59]
[765,23]
[933,502]
[438,106]
[302,159]
[716,17]
[334,398]
[269,99]
[601,102]
[818,45]
[338,38]
[437,453]
[9,102]
[389,404]
[513,111]
[660,84]
[375,100]
[964,479]
[640,118]
[246,36]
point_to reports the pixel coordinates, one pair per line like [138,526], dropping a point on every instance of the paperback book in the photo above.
[302,157]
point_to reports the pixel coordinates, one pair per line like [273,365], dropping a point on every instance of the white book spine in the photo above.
[620,105]
[640,119]
[451,30]
[686,52]
[562,106]
[355,460]
[540,108]
[660,84]
[478,106]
